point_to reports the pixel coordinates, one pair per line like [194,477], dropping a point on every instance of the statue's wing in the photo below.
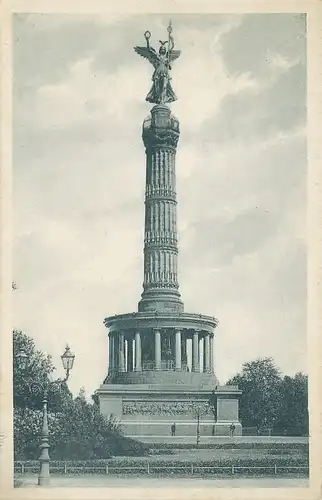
[147,53]
[174,54]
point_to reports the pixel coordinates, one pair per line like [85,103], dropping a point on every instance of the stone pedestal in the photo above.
[151,409]
[227,408]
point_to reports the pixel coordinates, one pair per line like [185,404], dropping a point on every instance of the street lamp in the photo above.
[68,361]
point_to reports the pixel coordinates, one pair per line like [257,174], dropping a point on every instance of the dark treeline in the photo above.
[271,401]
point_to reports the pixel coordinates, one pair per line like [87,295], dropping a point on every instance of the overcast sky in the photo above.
[78,178]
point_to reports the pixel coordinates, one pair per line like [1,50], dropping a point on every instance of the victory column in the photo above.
[151,383]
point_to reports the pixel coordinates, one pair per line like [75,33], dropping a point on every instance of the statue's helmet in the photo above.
[162,50]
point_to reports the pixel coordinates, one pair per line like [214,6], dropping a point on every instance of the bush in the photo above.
[124,446]
[80,431]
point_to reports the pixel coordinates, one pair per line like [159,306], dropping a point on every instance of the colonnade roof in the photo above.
[162,320]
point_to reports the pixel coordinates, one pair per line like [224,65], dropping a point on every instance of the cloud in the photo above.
[79,167]
[280,62]
[93,94]
[260,35]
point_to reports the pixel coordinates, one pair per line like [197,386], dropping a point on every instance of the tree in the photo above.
[260,402]
[27,426]
[77,428]
[27,381]
[293,417]
[30,383]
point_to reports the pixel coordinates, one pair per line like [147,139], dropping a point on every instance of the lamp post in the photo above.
[213,407]
[68,361]
[198,427]
[199,412]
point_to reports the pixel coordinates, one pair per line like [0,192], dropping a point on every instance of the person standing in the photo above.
[232,430]
[173,429]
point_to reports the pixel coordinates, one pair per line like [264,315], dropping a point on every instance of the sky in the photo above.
[79,176]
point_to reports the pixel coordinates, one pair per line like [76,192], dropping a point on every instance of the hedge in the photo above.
[226,462]
[229,446]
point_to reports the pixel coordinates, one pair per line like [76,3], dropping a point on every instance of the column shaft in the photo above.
[184,360]
[200,348]
[206,354]
[114,353]
[211,354]
[157,349]
[178,350]
[138,366]
[130,354]
[195,352]
[110,353]
[121,353]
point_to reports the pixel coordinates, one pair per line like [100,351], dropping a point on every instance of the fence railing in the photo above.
[150,365]
[190,469]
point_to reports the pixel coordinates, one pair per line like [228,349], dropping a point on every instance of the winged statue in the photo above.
[161,91]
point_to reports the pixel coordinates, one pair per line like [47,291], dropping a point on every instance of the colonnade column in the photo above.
[178,350]
[111,353]
[121,352]
[195,351]
[130,354]
[211,353]
[157,349]
[138,367]
[200,348]
[184,359]
[206,353]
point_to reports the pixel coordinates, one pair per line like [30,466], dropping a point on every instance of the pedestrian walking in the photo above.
[173,429]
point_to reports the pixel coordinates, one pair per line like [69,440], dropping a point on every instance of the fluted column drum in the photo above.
[160,285]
